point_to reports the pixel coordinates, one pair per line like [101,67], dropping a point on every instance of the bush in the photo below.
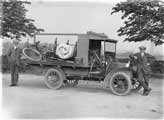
[157,67]
[4,63]
[5,66]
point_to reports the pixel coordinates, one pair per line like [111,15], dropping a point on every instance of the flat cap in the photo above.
[142,48]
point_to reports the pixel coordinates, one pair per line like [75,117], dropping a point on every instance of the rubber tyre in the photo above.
[61,76]
[34,51]
[127,79]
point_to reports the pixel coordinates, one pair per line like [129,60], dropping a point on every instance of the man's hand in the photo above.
[135,57]
[18,63]
[148,63]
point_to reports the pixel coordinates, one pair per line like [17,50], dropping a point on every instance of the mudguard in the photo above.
[109,75]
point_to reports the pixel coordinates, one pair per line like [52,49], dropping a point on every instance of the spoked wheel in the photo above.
[136,85]
[54,78]
[120,83]
[71,83]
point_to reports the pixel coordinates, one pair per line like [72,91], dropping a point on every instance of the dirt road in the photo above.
[32,99]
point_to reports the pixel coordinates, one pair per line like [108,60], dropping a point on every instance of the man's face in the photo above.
[142,50]
[16,42]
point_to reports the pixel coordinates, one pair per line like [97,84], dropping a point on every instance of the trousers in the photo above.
[14,73]
[144,79]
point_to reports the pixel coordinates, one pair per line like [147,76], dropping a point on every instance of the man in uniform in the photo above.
[14,60]
[143,68]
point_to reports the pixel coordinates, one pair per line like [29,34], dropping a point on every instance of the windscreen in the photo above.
[110,47]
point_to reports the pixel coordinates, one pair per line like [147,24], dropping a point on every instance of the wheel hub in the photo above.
[120,83]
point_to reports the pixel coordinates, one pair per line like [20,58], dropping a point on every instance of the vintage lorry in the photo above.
[93,59]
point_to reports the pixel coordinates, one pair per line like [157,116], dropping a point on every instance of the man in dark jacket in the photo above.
[143,68]
[14,60]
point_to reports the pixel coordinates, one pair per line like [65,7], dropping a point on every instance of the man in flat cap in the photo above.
[14,61]
[143,68]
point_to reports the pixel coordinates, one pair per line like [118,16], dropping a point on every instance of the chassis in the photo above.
[121,78]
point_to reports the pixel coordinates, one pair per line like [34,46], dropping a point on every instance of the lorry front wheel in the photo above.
[120,83]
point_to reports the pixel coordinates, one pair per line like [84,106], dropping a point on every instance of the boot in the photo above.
[146,92]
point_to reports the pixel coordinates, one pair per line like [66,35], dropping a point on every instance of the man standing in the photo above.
[143,68]
[14,60]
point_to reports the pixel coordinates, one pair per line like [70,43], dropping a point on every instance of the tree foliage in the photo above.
[15,24]
[143,20]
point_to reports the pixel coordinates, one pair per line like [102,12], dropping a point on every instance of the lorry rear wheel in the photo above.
[120,83]
[54,78]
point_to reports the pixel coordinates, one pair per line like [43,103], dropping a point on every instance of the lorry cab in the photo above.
[99,42]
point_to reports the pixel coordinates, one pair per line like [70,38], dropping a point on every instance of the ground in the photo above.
[32,99]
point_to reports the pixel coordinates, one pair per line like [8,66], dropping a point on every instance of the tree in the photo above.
[15,24]
[143,20]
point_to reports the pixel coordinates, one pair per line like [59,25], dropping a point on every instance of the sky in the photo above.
[80,17]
